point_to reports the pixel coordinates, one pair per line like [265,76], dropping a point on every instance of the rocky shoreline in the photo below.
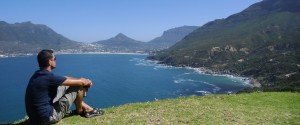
[204,70]
[249,80]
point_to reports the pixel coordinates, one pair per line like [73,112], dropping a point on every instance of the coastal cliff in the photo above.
[262,42]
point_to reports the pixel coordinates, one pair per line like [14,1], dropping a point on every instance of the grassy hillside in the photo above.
[254,108]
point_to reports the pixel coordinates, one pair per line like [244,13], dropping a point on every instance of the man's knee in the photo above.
[75,89]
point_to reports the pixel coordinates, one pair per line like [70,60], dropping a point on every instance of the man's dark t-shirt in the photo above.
[40,92]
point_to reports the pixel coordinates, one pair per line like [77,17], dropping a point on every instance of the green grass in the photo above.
[254,108]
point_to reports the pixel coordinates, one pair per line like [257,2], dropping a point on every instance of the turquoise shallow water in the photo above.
[117,79]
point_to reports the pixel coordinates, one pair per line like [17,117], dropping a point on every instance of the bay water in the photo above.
[117,79]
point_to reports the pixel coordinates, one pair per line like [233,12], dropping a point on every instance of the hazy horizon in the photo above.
[91,21]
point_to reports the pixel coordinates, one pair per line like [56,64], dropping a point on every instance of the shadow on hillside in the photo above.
[25,121]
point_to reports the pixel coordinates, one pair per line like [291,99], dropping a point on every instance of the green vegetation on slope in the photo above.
[254,108]
[262,42]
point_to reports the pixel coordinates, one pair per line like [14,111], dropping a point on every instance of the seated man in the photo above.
[49,97]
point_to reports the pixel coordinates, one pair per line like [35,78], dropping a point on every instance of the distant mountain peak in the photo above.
[120,42]
[121,36]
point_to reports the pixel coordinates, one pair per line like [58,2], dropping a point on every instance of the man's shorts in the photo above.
[64,99]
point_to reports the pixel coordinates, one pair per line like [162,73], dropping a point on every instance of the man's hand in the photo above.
[86,82]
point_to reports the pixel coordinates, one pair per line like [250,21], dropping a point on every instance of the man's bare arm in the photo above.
[70,81]
[69,77]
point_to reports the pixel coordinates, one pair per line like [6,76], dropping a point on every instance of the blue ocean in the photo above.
[117,79]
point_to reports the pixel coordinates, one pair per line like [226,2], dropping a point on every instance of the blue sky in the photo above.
[94,20]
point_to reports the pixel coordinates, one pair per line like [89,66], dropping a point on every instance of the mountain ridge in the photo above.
[120,43]
[119,38]
[170,37]
[262,42]
[27,37]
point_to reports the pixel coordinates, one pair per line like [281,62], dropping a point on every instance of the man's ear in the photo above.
[49,62]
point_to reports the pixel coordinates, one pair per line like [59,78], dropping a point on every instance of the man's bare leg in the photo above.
[86,107]
[80,105]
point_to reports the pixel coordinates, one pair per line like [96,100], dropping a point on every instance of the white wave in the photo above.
[143,62]
[134,59]
[154,64]
[239,79]
[215,87]
[160,66]
[181,80]
[196,83]
[204,92]
[244,80]
[229,92]
[178,80]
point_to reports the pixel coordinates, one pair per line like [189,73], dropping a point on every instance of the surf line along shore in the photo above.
[249,81]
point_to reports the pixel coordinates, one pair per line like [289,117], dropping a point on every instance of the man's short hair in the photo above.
[43,57]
